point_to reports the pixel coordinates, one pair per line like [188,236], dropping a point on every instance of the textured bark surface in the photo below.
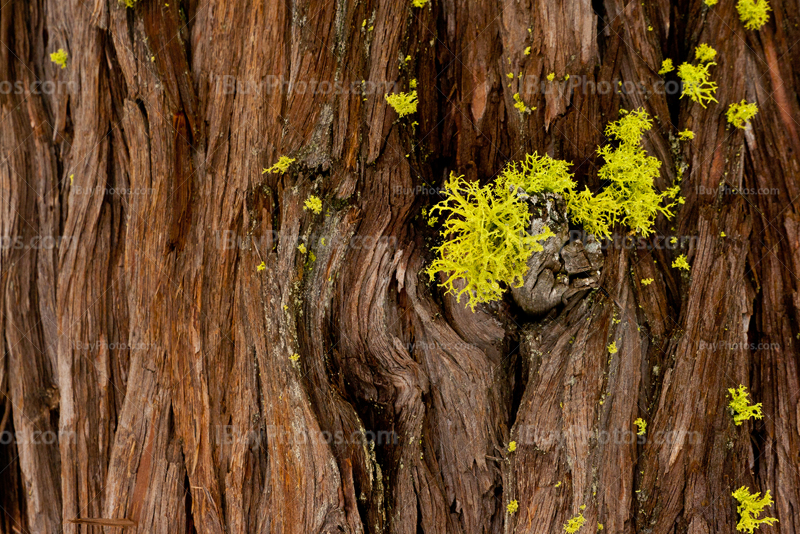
[138,331]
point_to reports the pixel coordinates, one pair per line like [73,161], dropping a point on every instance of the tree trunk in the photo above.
[172,361]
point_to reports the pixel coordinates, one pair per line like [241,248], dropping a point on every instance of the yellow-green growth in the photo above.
[539,174]
[612,348]
[551,76]
[130,3]
[750,507]
[302,248]
[629,198]
[740,114]
[60,58]
[740,406]
[642,426]
[512,446]
[711,3]
[261,266]
[294,357]
[487,242]
[419,3]
[666,66]
[520,105]
[704,53]
[313,204]
[528,51]
[686,134]
[512,507]
[412,83]
[403,103]
[574,525]
[754,13]
[681,263]
[281,166]
[696,83]
[647,281]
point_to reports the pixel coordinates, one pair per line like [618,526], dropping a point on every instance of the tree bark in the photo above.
[150,370]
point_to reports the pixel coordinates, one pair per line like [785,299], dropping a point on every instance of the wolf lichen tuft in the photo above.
[696,83]
[754,13]
[629,198]
[750,507]
[487,241]
[281,166]
[612,348]
[740,406]
[512,507]
[740,114]
[539,174]
[512,446]
[60,58]
[520,105]
[574,525]
[704,53]
[646,281]
[686,135]
[313,204]
[681,263]
[666,66]
[403,103]
[641,424]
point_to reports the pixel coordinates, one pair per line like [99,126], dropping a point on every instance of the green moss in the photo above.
[740,114]
[59,58]
[666,66]
[403,103]
[753,13]
[740,406]
[487,242]
[696,84]
[750,507]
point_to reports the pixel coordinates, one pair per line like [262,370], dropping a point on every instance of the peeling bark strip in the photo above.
[187,349]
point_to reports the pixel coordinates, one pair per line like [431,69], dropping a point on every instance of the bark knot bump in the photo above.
[568,265]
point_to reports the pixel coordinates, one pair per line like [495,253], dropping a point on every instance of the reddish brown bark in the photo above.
[147,341]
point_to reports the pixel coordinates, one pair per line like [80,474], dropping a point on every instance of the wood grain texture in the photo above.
[337,389]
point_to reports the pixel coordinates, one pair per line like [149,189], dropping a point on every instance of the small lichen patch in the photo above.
[403,103]
[750,507]
[60,58]
[281,166]
[740,406]
[314,204]
[740,114]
